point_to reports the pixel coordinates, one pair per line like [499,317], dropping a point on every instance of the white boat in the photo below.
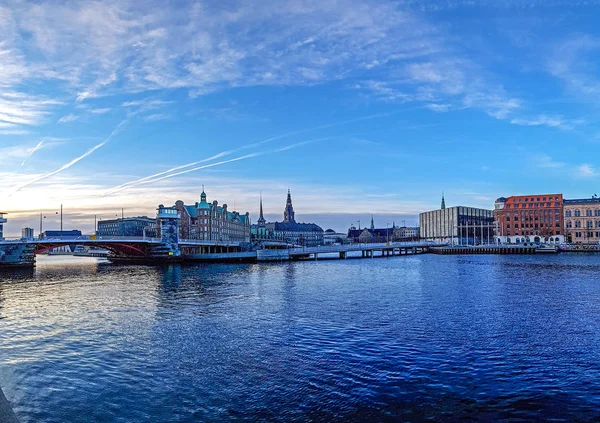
[547,249]
[83,251]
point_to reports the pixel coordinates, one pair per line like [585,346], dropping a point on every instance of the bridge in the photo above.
[154,250]
[170,248]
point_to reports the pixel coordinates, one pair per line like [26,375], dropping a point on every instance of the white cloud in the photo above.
[556,121]
[586,171]
[157,116]
[438,107]
[574,61]
[68,118]
[545,161]
[100,111]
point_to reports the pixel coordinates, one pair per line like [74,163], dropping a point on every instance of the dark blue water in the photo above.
[480,338]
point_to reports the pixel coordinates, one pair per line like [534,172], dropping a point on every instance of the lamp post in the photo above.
[42,217]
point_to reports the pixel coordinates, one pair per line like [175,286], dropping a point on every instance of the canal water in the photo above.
[445,338]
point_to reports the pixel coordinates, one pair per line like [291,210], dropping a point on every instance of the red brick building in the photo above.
[529,218]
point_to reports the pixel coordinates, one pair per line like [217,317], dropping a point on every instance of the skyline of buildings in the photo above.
[514,219]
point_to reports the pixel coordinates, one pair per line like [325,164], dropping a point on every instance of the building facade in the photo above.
[529,218]
[458,225]
[582,220]
[406,232]
[306,234]
[211,222]
[27,233]
[72,234]
[142,226]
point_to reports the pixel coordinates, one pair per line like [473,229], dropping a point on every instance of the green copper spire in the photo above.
[443,202]
[372,223]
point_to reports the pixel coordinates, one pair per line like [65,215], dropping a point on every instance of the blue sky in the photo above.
[357,106]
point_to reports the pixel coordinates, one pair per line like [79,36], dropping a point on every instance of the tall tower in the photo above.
[261,222]
[443,202]
[288,213]
[372,223]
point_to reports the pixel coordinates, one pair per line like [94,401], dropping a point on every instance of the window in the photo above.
[577,213]
[569,224]
[568,213]
[577,224]
[588,213]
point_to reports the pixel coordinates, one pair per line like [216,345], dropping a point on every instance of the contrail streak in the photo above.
[247,156]
[245,147]
[72,162]
[137,181]
[216,156]
[37,147]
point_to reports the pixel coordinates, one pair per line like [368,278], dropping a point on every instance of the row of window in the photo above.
[531,205]
[527,233]
[532,225]
[577,213]
[532,218]
[588,224]
[528,199]
[588,234]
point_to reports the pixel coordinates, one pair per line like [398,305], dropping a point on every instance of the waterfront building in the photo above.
[370,235]
[582,220]
[458,225]
[289,230]
[388,234]
[332,237]
[211,222]
[2,222]
[529,218]
[72,234]
[406,232]
[141,226]
[27,233]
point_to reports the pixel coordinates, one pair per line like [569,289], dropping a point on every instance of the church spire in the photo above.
[372,223]
[261,220]
[443,202]
[288,213]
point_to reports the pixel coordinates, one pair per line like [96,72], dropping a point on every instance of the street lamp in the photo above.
[42,217]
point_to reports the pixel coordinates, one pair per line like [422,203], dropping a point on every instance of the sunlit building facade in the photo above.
[529,218]
[582,220]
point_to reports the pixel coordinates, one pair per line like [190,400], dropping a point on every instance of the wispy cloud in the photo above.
[586,171]
[100,111]
[545,161]
[574,61]
[157,116]
[68,118]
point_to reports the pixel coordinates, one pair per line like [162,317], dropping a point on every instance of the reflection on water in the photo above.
[409,338]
